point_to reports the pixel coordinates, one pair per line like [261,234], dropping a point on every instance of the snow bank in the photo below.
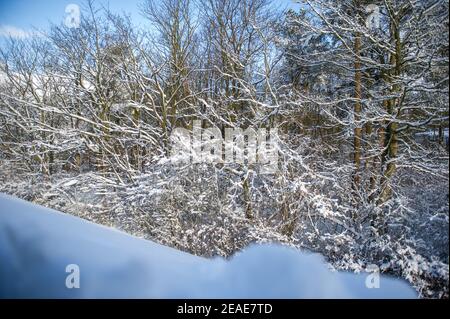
[37,244]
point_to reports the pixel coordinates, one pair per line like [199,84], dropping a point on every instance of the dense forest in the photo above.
[355,93]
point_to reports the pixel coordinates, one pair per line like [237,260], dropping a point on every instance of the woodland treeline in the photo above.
[357,90]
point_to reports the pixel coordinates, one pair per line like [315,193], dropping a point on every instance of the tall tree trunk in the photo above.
[357,114]
[391,139]
[247,197]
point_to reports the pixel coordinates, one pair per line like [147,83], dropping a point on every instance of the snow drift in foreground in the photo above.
[36,245]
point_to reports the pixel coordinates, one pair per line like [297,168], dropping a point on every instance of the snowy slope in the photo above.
[36,245]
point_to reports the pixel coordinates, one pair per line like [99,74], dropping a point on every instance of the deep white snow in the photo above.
[36,245]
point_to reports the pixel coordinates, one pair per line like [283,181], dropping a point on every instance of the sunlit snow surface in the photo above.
[36,245]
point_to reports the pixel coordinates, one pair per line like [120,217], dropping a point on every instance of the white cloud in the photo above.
[15,32]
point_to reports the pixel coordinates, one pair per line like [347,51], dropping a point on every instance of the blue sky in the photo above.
[19,17]
[24,15]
